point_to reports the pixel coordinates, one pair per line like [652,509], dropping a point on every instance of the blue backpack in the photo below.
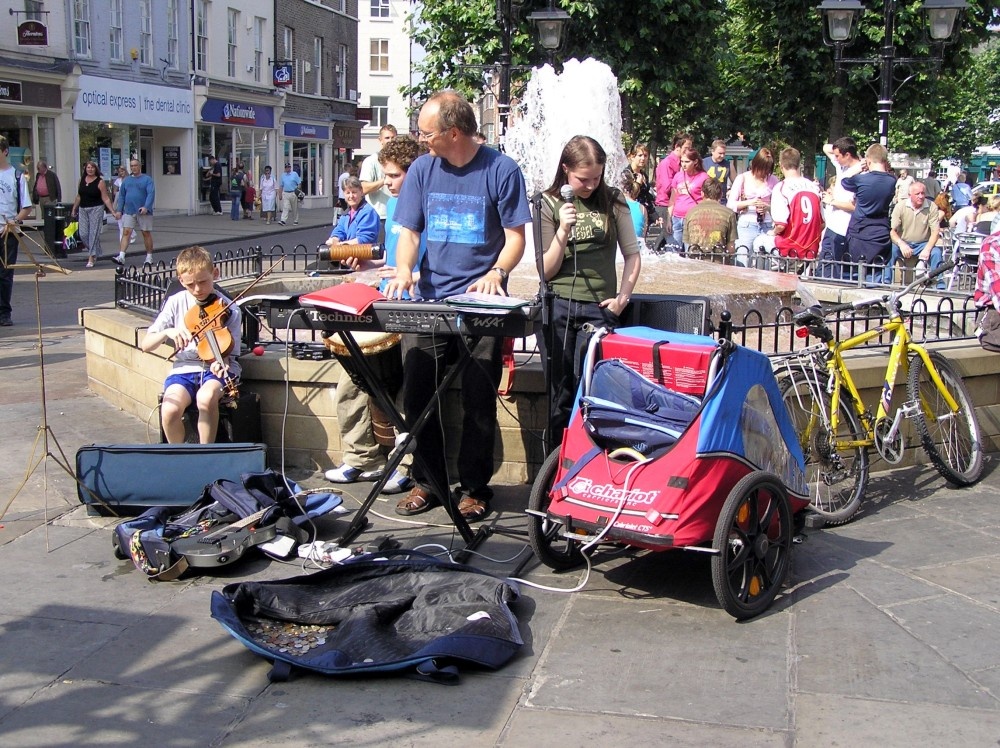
[401,611]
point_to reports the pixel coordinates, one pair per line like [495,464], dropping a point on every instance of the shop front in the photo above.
[30,113]
[235,131]
[117,121]
[307,148]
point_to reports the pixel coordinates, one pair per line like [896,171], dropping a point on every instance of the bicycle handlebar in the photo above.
[890,298]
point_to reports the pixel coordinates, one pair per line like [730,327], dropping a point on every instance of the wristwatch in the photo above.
[502,273]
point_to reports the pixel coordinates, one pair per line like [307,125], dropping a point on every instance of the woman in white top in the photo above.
[750,197]
[268,194]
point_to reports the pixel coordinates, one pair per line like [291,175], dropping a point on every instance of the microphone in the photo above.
[566,193]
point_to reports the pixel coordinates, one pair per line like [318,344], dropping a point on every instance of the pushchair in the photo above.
[676,441]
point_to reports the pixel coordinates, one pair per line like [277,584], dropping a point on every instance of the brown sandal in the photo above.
[473,510]
[417,501]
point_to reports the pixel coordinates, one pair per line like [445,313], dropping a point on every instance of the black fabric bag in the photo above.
[404,611]
[988,330]
[228,519]
[624,409]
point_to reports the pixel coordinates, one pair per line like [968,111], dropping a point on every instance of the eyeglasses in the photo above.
[422,135]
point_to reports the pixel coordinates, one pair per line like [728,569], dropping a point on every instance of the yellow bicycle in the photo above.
[835,427]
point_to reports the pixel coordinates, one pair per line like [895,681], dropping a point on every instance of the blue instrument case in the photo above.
[129,478]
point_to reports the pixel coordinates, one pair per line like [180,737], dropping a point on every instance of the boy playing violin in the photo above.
[196,378]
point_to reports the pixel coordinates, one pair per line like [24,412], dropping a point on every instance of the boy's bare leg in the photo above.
[175,401]
[208,411]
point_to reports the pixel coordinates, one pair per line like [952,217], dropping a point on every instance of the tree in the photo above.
[663,85]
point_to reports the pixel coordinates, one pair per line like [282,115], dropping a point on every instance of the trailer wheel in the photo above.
[545,533]
[754,543]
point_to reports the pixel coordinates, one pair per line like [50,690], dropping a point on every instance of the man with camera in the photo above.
[287,190]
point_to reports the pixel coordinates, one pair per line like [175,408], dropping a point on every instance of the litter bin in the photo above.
[56,218]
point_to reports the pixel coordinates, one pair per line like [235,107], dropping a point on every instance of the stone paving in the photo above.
[888,631]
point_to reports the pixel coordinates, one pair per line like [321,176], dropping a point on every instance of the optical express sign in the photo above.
[107,100]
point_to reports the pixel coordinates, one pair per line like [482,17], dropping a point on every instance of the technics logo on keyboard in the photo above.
[331,316]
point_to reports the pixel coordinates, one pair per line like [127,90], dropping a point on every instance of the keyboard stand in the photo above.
[438,483]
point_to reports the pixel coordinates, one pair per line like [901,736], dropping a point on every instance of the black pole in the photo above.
[505,21]
[888,60]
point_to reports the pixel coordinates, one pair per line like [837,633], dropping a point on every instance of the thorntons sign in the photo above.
[32,34]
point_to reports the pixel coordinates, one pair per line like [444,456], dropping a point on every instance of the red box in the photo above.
[682,367]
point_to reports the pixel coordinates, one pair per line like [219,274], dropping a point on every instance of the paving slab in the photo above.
[846,646]
[824,720]
[668,660]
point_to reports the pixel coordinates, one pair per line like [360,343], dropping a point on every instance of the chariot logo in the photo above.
[585,488]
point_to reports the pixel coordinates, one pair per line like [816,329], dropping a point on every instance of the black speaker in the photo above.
[689,314]
[236,425]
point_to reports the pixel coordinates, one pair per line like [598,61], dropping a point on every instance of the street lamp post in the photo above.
[550,24]
[841,23]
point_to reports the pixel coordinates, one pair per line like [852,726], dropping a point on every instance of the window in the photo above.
[201,36]
[116,48]
[341,92]
[81,28]
[380,111]
[233,22]
[33,10]
[289,40]
[258,46]
[380,8]
[173,34]
[379,56]
[318,65]
[145,32]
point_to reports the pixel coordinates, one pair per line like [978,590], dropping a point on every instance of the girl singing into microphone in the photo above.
[581,228]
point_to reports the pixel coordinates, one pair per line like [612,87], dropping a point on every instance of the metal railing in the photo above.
[941,316]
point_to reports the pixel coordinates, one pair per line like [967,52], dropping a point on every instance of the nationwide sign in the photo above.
[32,34]
[10,92]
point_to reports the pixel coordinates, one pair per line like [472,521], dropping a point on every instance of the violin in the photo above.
[206,321]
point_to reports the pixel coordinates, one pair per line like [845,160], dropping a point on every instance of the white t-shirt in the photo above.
[187,361]
[837,220]
[371,171]
[964,219]
[9,181]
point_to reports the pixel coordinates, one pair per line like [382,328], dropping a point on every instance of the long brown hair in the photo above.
[582,151]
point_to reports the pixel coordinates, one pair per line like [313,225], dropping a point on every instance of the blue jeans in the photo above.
[235,196]
[9,250]
[748,229]
[678,230]
[832,254]
[917,247]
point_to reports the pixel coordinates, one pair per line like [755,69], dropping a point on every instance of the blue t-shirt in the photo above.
[290,181]
[463,211]
[363,225]
[961,194]
[392,239]
[638,219]
[136,192]
[873,192]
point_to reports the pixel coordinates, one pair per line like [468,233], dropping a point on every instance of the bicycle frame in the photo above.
[840,379]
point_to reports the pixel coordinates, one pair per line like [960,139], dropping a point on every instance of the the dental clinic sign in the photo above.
[125,102]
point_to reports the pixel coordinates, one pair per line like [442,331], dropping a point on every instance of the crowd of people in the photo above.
[865,215]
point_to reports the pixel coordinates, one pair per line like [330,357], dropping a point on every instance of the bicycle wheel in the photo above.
[837,478]
[544,533]
[951,440]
